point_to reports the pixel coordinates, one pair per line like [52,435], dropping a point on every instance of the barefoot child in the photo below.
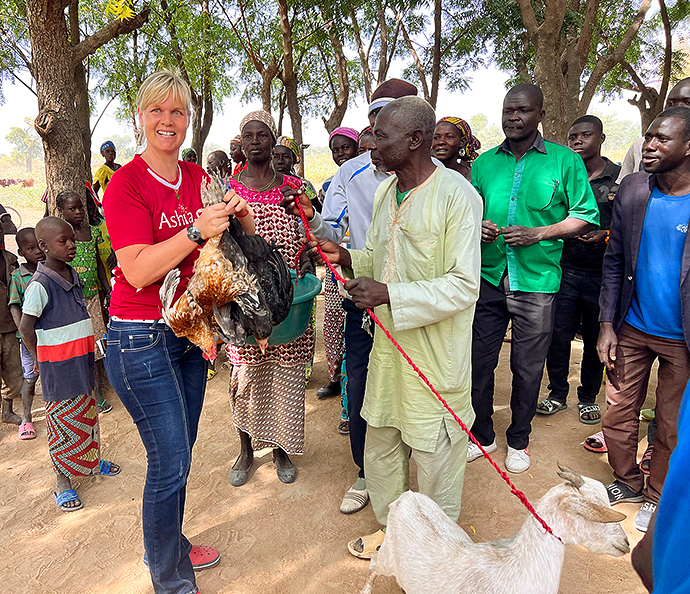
[57,330]
[89,266]
[27,247]
[10,359]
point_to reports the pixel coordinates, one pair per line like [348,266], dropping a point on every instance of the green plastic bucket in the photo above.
[297,320]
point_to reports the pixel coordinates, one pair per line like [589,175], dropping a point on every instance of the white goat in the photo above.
[429,554]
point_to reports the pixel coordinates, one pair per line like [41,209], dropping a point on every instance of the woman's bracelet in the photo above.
[239,216]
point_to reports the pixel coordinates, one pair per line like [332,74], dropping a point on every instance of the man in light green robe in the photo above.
[420,270]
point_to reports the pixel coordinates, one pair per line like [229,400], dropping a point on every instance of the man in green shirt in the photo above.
[535,193]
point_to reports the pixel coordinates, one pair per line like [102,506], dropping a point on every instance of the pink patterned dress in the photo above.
[267,389]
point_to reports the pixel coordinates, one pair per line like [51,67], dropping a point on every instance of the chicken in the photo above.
[240,286]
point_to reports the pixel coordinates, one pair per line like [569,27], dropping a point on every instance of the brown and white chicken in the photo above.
[240,286]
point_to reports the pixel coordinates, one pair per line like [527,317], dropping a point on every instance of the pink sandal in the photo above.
[596,443]
[26,431]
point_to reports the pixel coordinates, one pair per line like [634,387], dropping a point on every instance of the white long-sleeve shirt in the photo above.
[349,202]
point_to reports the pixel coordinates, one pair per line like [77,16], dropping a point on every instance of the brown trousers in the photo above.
[626,390]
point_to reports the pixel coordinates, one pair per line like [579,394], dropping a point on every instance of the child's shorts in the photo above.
[27,363]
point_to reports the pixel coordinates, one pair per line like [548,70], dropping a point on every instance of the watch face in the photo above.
[193,233]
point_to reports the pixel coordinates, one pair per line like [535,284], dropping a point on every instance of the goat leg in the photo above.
[370,582]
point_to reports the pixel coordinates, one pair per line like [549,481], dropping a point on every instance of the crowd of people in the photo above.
[450,248]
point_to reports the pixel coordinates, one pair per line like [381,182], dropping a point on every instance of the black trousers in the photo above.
[358,345]
[577,305]
[532,315]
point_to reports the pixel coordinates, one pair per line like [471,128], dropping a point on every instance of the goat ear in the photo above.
[574,478]
[594,512]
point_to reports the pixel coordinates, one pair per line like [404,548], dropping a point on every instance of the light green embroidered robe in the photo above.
[428,253]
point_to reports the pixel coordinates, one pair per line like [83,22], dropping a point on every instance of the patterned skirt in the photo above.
[74,436]
[267,402]
[95,310]
[333,327]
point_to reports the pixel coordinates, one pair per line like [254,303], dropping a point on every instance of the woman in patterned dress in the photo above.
[267,388]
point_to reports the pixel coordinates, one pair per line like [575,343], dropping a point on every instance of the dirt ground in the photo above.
[273,538]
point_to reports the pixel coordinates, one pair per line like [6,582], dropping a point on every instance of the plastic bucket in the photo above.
[297,320]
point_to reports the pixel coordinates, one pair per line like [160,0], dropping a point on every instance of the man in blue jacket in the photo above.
[645,308]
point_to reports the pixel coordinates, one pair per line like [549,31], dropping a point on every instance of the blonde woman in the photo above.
[157,222]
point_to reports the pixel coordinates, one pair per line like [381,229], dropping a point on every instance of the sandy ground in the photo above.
[273,538]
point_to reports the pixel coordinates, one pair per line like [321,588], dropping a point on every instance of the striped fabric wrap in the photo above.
[74,436]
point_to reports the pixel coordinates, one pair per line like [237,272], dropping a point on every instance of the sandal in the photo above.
[26,431]
[344,427]
[210,374]
[591,411]
[550,406]
[365,546]
[596,443]
[646,459]
[104,407]
[67,497]
[108,468]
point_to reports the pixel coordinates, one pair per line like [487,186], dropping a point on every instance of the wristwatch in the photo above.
[195,235]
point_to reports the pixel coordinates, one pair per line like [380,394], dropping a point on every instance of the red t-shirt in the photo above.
[141,208]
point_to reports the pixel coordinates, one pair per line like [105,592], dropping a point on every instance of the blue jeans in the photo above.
[161,380]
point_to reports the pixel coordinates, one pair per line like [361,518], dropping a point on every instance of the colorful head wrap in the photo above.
[473,144]
[350,133]
[367,130]
[260,116]
[291,144]
[106,144]
[237,139]
[186,151]
[389,90]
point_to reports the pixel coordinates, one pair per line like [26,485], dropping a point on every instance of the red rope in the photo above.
[519,494]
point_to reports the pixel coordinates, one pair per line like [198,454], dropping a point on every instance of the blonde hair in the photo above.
[157,87]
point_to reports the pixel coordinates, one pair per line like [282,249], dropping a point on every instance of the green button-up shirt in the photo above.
[548,184]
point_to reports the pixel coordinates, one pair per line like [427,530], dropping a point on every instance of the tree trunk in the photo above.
[436,60]
[81,90]
[342,98]
[290,82]
[560,61]
[58,121]
[363,57]
[54,64]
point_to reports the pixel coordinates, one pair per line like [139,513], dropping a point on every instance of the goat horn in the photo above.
[574,478]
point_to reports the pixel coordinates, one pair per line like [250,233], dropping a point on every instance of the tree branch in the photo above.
[528,17]
[668,52]
[117,27]
[587,31]
[641,87]
[17,50]
[605,63]
[415,57]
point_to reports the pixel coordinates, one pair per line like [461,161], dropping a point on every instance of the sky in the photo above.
[485,96]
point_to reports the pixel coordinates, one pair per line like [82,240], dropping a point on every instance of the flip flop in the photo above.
[26,431]
[108,468]
[369,545]
[588,409]
[591,443]
[550,406]
[66,497]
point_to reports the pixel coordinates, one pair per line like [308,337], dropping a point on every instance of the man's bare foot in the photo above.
[8,415]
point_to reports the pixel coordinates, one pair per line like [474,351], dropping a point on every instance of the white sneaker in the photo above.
[517,461]
[644,516]
[473,452]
